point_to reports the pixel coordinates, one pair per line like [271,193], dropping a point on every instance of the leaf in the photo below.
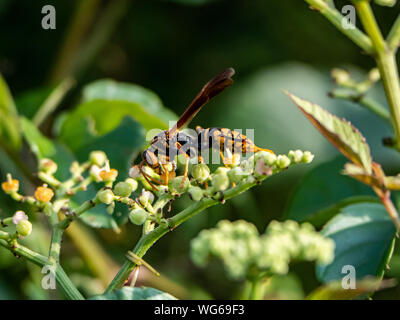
[341,133]
[361,175]
[192,2]
[335,291]
[323,191]
[128,293]
[9,126]
[29,101]
[43,147]
[364,238]
[111,90]
[104,116]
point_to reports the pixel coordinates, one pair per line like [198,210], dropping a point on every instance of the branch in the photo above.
[336,18]
[393,38]
[147,240]
[62,279]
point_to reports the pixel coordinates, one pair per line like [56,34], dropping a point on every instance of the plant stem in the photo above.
[336,18]
[384,195]
[147,240]
[52,101]
[256,291]
[62,279]
[386,62]
[393,38]
[366,102]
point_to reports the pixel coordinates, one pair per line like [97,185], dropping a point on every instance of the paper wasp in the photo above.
[166,145]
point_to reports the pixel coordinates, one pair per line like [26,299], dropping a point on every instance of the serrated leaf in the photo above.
[341,133]
[364,238]
[335,291]
[323,191]
[128,293]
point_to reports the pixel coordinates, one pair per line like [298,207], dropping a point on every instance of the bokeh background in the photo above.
[173,48]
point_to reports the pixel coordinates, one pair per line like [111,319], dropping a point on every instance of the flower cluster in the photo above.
[245,253]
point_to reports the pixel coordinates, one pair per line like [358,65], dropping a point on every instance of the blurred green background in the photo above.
[173,48]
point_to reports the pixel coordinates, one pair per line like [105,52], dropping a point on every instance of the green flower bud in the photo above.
[296,156]
[221,170]
[236,175]
[138,216]
[374,75]
[196,193]
[47,166]
[133,183]
[24,228]
[179,185]
[123,189]
[105,196]
[220,182]
[98,158]
[200,172]
[110,208]
[307,157]
[340,76]
[269,158]
[282,161]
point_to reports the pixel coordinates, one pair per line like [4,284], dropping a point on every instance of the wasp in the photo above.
[166,145]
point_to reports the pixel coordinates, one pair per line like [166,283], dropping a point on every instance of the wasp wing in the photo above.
[210,90]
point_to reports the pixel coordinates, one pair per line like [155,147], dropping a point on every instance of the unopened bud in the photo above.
[307,157]
[220,182]
[179,185]
[133,183]
[105,196]
[282,161]
[236,175]
[123,189]
[48,166]
[296,156]
[24,228]
[196,193]
[200,172]
[340,76]
[138,216]
[98,158]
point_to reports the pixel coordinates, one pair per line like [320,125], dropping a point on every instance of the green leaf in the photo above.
[9,126]
[364,238]
[29,101]
[111,90]
[341,133]
[128,293]
[191,2]
[335,291]
[43,147]
[323,191]
[103,116]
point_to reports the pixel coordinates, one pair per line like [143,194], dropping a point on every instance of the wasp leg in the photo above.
[185,174]
[148,177]
[223,159]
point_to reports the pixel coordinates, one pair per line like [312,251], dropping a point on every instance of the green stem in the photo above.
[386,62]
[393,38]
[148,239]
[336,18]
[63,280]
[53,100]
[366,102]
[256,291]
